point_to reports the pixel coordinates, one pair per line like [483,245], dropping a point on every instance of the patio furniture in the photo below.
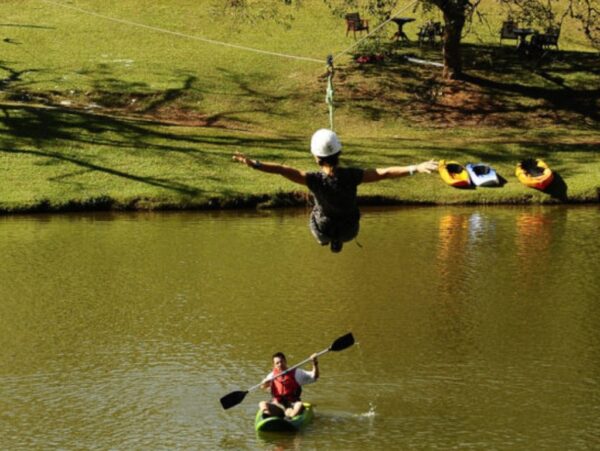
[522,34]
[547,39]
[400,34]
[429,32]
[508,30]
[354,23]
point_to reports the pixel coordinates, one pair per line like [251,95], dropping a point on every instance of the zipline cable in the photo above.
[181,35]
[392,17]
[330,59]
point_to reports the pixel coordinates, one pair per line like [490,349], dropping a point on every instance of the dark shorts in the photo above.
[286,403]
[326,230]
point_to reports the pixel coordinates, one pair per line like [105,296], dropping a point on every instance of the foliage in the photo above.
[532,12]
[380,9]
[458,13]
[373,45]
[587,12]
[551,13]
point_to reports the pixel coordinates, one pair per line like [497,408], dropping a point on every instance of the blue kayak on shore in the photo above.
[482,174]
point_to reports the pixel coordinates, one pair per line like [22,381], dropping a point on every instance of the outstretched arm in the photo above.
[375,175]
[293,174]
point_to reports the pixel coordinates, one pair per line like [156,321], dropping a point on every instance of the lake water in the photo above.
[477,328]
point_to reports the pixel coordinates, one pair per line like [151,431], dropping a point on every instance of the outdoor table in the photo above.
[400,21]
[522,33]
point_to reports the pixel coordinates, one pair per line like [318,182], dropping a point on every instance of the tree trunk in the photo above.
[454,20]
[454,23]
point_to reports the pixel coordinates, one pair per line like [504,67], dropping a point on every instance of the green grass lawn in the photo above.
[97,113]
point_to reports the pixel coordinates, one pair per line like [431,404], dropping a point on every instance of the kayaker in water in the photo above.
[335,216]
[286,389]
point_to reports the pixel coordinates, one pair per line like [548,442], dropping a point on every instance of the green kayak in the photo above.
[283,424]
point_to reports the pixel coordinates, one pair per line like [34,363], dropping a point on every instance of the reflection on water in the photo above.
[277,442]
[477,327]
[533,242]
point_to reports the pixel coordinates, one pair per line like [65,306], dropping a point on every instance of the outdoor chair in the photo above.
[430,31]
[550,37]
[508,31]
[543,41]
[354,23]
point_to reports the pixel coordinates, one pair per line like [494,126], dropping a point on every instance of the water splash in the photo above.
[370,413]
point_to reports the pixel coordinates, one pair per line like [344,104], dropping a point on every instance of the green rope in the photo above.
[329,93]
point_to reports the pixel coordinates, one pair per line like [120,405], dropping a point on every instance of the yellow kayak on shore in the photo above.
[454,174]
[534,173]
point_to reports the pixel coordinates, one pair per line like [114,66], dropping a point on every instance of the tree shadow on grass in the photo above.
[499,87]
[105,116]
[154,181]
[262,101]
[13,75]
[565,81]
[58,133]
[583,102]
[182,105]
[15,25]
[39,125]
[64,135]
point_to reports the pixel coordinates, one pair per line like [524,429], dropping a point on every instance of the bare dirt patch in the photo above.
[430,100]
[126,106]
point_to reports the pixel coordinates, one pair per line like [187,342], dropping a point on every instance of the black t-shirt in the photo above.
[335,195]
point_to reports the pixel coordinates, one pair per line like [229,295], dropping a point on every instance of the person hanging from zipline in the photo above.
[335,217]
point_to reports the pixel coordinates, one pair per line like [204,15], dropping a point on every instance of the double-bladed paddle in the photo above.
[236,397]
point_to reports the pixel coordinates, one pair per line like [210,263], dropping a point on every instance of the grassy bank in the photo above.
[101,114]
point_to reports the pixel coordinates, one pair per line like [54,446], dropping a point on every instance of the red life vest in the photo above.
[284,388]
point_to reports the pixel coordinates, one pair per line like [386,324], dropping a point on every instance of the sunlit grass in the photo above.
[101,113]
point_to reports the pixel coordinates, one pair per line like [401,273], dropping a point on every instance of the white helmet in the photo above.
[325,143]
